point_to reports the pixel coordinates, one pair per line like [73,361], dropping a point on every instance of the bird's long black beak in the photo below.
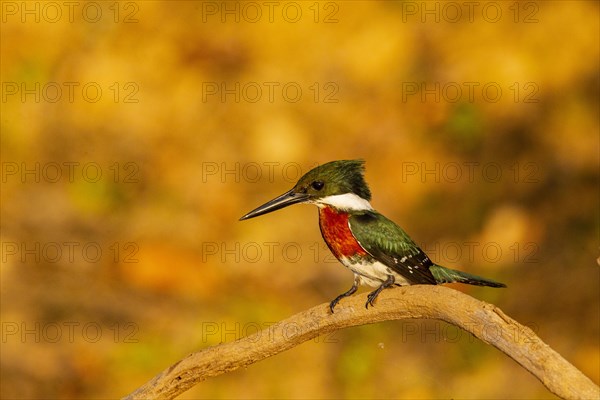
[286,199]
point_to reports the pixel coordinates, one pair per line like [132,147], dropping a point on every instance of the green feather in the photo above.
[447,275]
[389,244]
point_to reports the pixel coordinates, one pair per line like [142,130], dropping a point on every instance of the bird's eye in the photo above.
[317,185]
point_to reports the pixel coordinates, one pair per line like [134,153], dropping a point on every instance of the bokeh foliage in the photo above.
[387,81]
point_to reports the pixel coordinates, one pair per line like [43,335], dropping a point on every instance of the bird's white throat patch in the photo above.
[346,201]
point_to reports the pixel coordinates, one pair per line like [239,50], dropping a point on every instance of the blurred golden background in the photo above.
[135,134]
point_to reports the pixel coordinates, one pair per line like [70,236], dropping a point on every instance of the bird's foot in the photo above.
[345,294]
[335,301]
[373,295]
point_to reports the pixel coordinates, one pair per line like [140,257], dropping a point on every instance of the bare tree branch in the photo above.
[483,320]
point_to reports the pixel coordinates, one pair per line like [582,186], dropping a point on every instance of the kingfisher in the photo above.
[378,251]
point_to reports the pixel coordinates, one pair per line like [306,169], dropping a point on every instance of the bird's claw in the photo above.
[333,304]
[371,300]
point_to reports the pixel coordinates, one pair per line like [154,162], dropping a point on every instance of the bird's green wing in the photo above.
[389,244]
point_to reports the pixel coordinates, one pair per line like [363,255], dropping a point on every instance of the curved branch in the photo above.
[483,320]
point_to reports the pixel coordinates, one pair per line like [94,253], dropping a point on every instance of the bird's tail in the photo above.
[447,275]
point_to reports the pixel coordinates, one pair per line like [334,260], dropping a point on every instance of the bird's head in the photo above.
[339,184]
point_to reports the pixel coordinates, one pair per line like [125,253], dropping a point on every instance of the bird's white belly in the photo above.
[372,273]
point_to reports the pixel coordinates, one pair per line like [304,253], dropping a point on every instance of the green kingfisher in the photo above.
[375,249]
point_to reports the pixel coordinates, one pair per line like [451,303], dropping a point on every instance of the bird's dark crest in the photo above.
[349,173]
